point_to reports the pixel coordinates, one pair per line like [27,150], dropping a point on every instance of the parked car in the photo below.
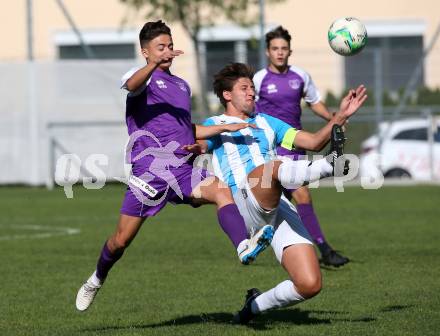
[405,150]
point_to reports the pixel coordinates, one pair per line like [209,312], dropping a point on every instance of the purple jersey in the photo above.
[159,123]
[279,95]
[158,116]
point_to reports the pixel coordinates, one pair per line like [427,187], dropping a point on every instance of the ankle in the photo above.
[95,281]
[324,248]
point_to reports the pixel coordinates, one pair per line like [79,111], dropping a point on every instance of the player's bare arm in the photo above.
[159,54]
[321,110]
[205,132]
[140,77]
[349,105]
[144,73]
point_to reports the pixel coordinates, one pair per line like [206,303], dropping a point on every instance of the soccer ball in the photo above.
[347,36]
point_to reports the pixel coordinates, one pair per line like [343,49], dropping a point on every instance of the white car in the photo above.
[409,149]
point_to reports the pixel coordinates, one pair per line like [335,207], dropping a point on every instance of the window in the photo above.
[223,44]
[217,55]
[253,58]
[400,48]
[420,134]
[100,51]
[106,44]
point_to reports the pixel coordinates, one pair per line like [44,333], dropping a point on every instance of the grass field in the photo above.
[181,276]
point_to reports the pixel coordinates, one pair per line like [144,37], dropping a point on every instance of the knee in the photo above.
[118,243]
[223,194]
[309,286]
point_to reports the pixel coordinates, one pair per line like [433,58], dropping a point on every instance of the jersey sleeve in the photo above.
[258,80]
[310,92]
[284,133]
[213,141]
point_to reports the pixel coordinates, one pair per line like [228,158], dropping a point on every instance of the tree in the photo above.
[194,15]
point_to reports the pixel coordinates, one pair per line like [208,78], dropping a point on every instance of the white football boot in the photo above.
[249,251]
[87,293]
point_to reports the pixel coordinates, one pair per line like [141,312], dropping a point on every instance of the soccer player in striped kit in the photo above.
[280,88]
[246,160]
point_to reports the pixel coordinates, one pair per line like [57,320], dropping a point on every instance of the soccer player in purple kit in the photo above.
[161,135]
[280,88]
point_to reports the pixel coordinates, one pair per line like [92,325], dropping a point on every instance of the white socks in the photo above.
[94,280]
[293,174]
[284,294]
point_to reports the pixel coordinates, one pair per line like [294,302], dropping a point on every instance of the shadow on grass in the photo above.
[339,268]
[285,316]
[302,317]
[394,308]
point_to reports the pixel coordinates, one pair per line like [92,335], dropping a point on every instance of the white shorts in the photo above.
[289,229]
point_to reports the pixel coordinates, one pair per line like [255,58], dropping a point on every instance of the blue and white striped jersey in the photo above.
[236,154]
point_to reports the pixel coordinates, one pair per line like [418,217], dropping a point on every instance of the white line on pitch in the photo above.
[53,231]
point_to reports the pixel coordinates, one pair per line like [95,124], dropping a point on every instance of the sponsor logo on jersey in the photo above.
[272,88]
[161,84]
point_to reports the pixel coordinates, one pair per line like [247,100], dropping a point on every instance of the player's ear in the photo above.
[227,95]
[290,52]
[267,52]
[144,52]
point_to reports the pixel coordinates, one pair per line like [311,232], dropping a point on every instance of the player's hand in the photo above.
[195,149]
[166,57]
[352,102]
[239,126]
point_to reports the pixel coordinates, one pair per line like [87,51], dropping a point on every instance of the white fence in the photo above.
[39,106]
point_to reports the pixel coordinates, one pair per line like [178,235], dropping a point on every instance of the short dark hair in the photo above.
[278,32]
[225,79]
[151,30]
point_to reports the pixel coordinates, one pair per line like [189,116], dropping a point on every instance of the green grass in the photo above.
[181,276]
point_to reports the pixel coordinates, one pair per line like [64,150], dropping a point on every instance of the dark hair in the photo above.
[278,32]
[151,30]
[225,79]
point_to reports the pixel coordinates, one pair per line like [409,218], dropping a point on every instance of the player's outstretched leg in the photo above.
[295,174]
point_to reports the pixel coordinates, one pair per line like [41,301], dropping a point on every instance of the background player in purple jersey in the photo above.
[280,88]
[159,124]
